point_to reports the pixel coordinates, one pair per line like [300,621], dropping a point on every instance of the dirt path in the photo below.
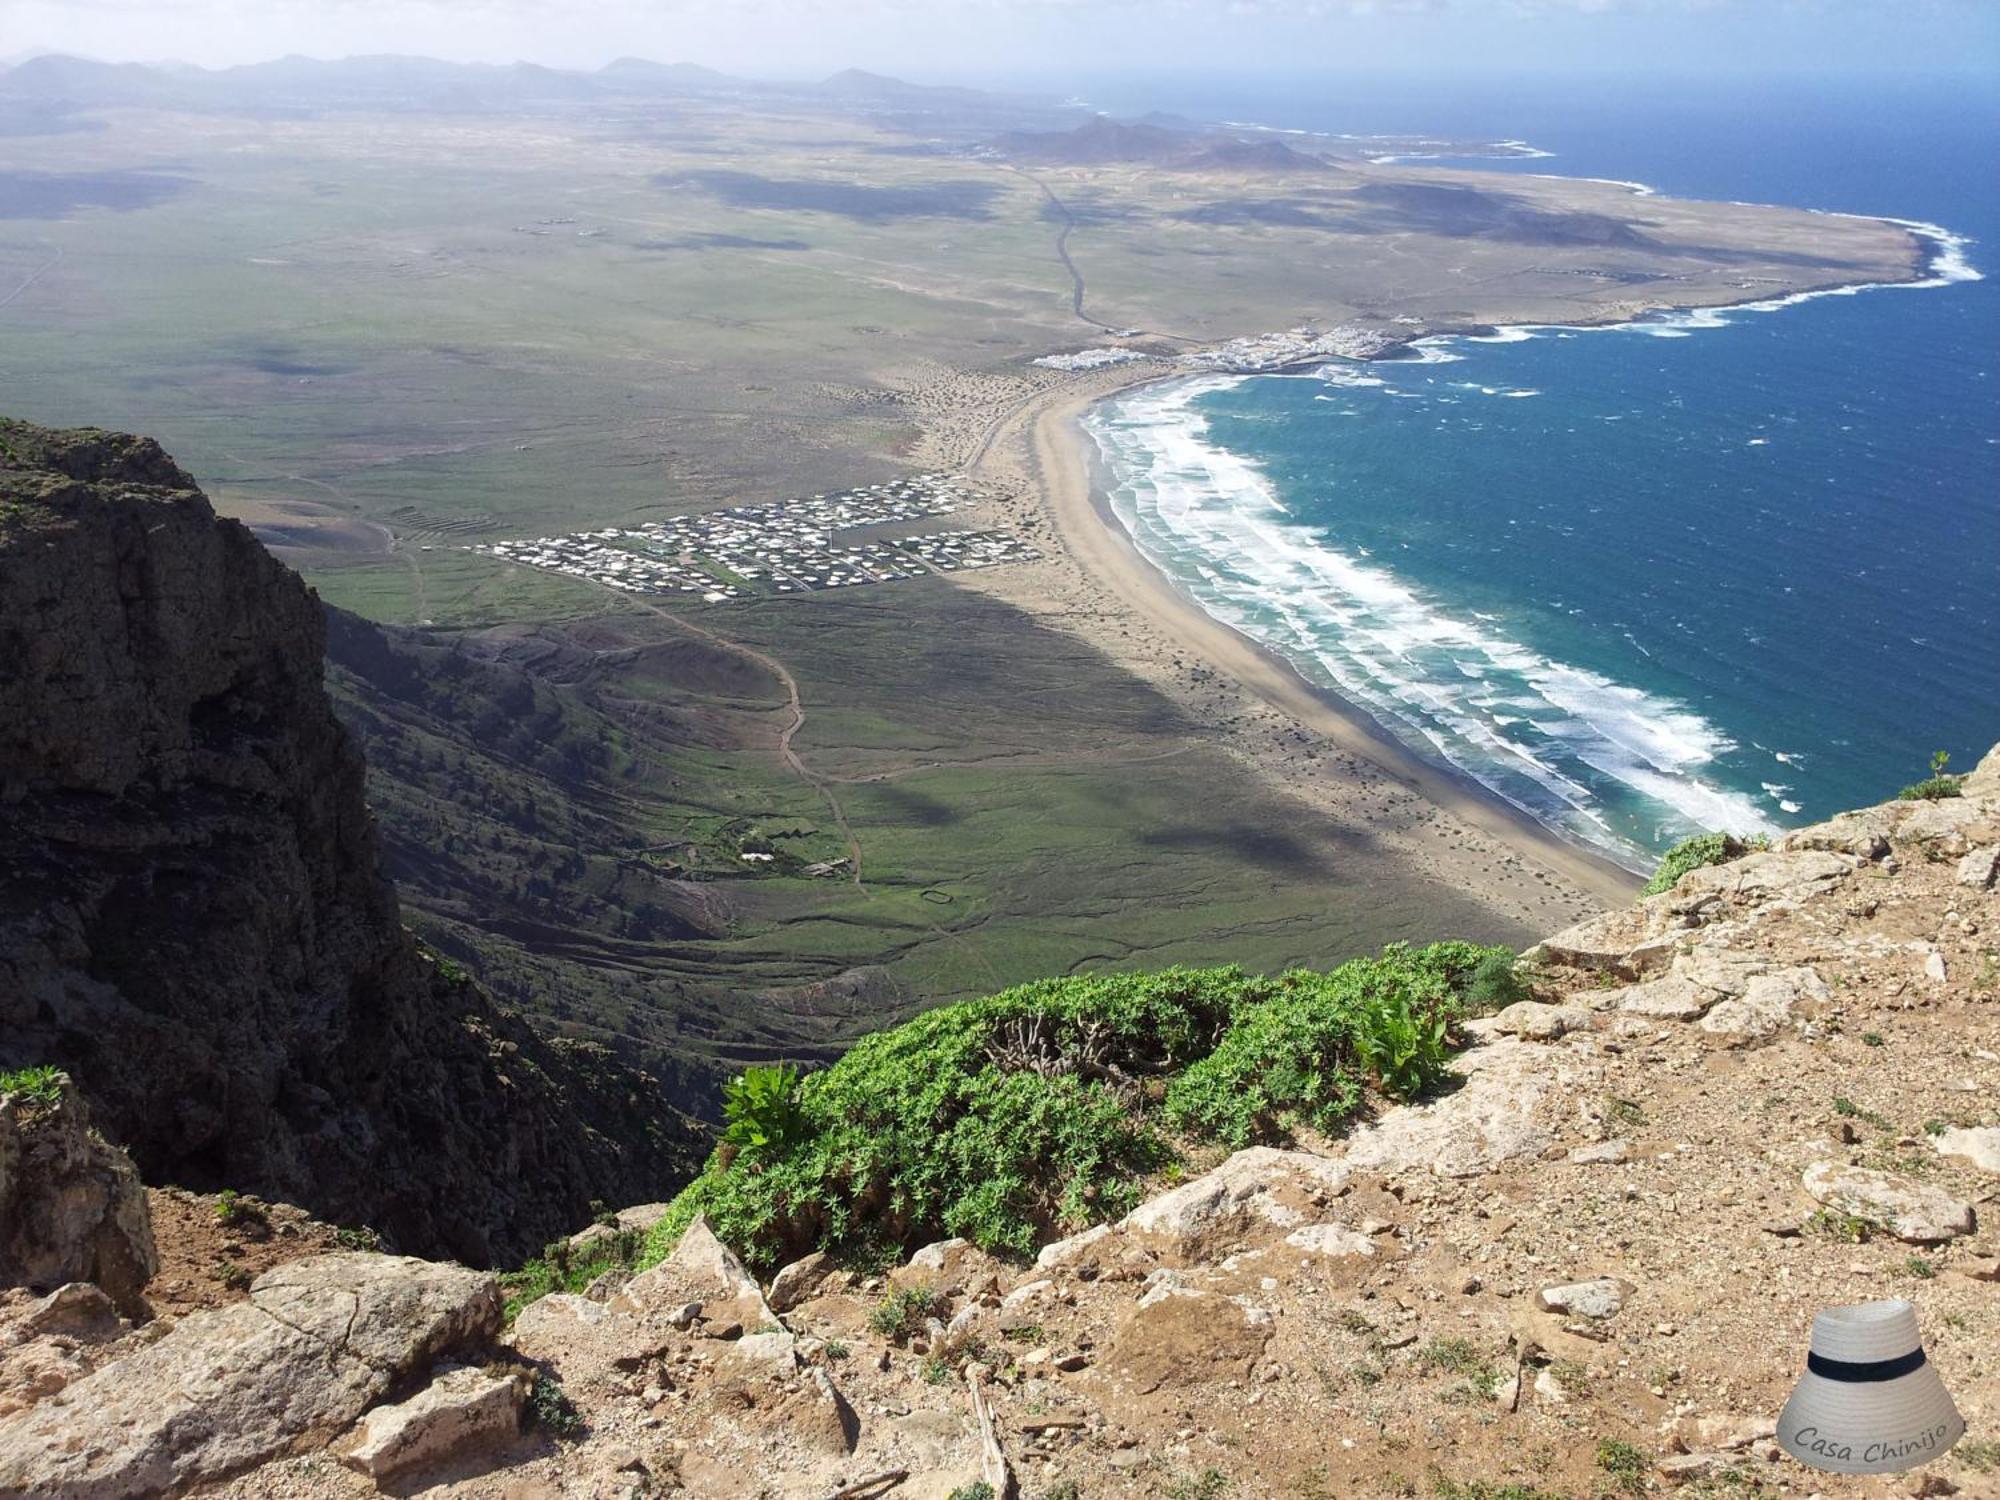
[794,704]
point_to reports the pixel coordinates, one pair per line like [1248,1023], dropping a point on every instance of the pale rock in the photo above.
[798,1281]
[74,1310]
[461,1409]
[1330,1239]
[1026,1292]
[937,1255]
[1912,1211]
[700,1269]
[1259,1184]
[1492,1117]
[1076,1250]
[1980,869]
[1979,1145]
[1765,1005]
[769,1355]
[1671,998]
[1598,1298]
[1983,780]
[1537,1022]
[227,1388]
[1549,1388]
[1609,1153]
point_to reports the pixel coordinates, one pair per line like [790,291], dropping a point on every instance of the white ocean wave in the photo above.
[1555,739]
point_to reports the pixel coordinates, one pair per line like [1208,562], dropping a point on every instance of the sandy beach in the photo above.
[1021,436]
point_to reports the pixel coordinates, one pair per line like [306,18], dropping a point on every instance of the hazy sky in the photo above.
[990,39]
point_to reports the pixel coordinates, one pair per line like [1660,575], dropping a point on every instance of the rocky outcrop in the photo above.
[71,1207]
[192,918]
[317,1342]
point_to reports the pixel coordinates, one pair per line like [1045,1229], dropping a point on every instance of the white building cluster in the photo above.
[1277,351]
[788,546]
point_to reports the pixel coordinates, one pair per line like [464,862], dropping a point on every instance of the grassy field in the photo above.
[569,819]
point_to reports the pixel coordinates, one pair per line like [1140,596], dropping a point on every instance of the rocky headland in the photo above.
[193,921]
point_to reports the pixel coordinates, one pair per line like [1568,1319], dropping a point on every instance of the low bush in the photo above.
[1693,854]
[1042,1109]
[1937,786]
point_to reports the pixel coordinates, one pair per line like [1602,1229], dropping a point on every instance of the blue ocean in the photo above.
[1722,570]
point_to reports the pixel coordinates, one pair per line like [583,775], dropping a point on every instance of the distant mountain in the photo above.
[1104,141]
[413,84]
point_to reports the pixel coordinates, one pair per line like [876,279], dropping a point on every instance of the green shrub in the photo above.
[1938,785]
[1495,983]
[979,1489]
[1693,854]
[1041,1110]
[1303,1052]
[550,1408]
[42,1085]
[760,1108]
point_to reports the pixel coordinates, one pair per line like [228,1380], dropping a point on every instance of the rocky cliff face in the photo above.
[192,918]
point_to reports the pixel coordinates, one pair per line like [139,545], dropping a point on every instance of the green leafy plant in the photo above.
[835,1350]
[357,1237]
[39,1085]
[550,1408]
[1939,785]
[229,1207]
[760,1108]
[1496,982]
[1046,1108]
[979,1489]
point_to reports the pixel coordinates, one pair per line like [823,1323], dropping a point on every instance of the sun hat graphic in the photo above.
[1869,1402]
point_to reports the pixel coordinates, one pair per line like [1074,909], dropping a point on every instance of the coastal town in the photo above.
[839,540]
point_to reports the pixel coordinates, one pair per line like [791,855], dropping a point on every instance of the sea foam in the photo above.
[1567,745]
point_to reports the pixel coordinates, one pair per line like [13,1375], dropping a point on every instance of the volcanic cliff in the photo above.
[193,921]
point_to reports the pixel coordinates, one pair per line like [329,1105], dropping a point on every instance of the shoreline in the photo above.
[1099,542]
[1063,470]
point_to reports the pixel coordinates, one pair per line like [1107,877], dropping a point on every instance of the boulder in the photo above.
[1980,869]
[635,1220]
[1493,1117]
[1613,1153]
[1079,1249]
[701,1269]
[1765,1005]
[71,1206]
[231,1387]
[1599,1298]
[1983,780]
[798,1281]
[1259,1185]
[459,1410]
[1912,1211]
[1673,997]
[1980,1146]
